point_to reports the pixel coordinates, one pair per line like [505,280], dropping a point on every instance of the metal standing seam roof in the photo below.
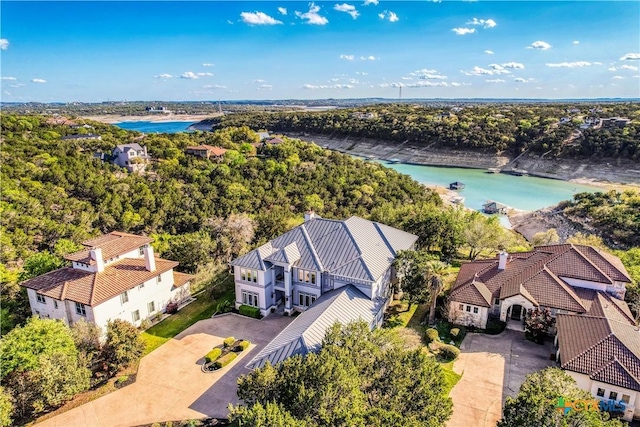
[355,248]
[306,332]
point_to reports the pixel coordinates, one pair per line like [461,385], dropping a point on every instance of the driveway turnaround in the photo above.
[492,367]
[170,384]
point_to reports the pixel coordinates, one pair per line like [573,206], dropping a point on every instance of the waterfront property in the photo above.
[133,157]
[116,276]
[206,151]
[492,207]
[456,185]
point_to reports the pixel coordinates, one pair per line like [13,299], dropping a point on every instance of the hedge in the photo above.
[432,335]
[247,310]
[449,352]
[213,355]
[228,342]
[225,360]
[243,345]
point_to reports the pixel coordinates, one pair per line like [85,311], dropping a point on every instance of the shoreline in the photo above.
[154,118]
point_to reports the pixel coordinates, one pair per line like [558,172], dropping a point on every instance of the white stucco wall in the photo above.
[586,383]
[47,309]
[511,301]
[585,284]
[463,317]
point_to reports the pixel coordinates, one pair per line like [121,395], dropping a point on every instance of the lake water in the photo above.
[153,127]
[521,192]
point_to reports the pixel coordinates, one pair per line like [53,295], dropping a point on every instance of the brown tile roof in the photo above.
[475,293]
[180,279]
[607,350]
[113,244]
[95,288]
[216,151]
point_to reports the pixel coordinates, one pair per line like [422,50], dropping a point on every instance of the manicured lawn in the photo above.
[450,377]
[399,314]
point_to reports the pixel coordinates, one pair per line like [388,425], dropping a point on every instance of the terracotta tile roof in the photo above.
[180,279]
[95,288]
[113,244]
[475,293]
[216,151]
[607,350]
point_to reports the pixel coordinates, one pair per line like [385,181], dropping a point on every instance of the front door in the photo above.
[516,312]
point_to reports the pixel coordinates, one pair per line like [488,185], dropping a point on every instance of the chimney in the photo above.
[502,260]
[96,255]
[149,259]
[309,215]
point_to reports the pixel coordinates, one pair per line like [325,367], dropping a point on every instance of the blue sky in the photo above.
[98,51]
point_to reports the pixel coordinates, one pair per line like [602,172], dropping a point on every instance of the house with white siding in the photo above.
[132,157]
[116,276]
[319,266]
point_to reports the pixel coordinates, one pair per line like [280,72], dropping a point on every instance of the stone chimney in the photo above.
[309,215]
[502,260]
[96,255]
[149,258]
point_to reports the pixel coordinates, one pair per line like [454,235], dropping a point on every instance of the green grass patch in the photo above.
[399,314]
[444,331]
[151,342]
[450,377]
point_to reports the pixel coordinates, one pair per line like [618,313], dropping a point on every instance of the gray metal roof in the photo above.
[133,146]
[306,332]
[355,248]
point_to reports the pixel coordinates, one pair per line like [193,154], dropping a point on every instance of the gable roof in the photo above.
[113,244]
[126,147]
[92,288]
[355,248]
[306,332]
[216,151]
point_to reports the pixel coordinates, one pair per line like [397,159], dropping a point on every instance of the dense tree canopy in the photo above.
[359,378]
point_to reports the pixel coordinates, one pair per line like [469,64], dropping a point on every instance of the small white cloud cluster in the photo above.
[335,86]
[190,75]
[388,15]
[369,58]
[214,87]
[484,23]
[163,76]
[347,57]
[38,81]
[208,64]
[258,18]
[539,45]
[312,16]
[368,2]
[630,57]
[282,10]
[576,64]
[4,44]
[489,52]
[8,78]
[347,8]
[463,31]
[265,87]
[495,81]
[494,69]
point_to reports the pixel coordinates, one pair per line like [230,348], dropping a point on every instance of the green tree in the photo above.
[537,322]
[40,263]
[484,234]
[536,402]
[6,408]
[435,271]
[587,240]
[269,415]
[549,237]
[86,336]
[122,346]
[414,273]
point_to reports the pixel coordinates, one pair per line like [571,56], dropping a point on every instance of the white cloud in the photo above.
[189,75]
[38,81]
[485,23]
[336,86]
[495,69]
[521,80]
[163,76]
[368,58]
[495,81]
[208,64]
[630,57]
[368,2]
[576,64]
[576,42]
[214,87]
[361,73]
[629,67]
[347,57]
[347,8]
[282,10]
[407,78]
[463,31]
[617,78]
[489,52]
[312,16]
[540,45]
[205,74]
[513,65]
[429,76]
[612,69]
[390,16]
[8,78]
[4,44]
[258,18]
[259,81]
[265,87]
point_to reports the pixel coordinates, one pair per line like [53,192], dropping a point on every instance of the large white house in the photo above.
[330,270]
[116,276]
[132,156]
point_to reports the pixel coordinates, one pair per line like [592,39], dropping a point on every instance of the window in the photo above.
[159,278]
[124,297]
[55,304]
[81,309]
[306,276]
[600,392]
[461,306]
[141,250]
[469,308]
[613,395]
[249,298]
[135,315]
[626,398]
[249,275]
[305,300]
[496,301]
[41,299]
[141,286]
[475,310]
[152,307]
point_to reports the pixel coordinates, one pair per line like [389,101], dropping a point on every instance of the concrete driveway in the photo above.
[170,384]
[493,367]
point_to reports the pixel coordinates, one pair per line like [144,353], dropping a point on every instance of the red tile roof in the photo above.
[95,288]
[113,244]
[216,151]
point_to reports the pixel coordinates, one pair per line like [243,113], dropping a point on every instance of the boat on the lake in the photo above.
[456,185]
[394,161]
[493,170]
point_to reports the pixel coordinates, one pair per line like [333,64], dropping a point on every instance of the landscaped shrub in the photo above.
[432,335]
[213,355]
[225,360]
[449,352]
[495,326]
[228,342]
[242,346]
[171,308]
[454,332]
[247,310]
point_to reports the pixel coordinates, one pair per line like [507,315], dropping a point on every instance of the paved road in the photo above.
[493,367]
[170,384]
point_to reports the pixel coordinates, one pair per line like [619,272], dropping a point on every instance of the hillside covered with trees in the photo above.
[553,129]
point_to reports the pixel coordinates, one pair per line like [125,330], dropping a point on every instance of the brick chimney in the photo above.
[502,260]
[149,258]
[96,255]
